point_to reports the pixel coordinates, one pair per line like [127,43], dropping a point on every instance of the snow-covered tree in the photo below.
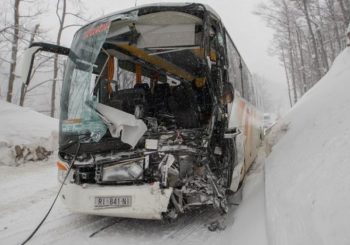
[308,37]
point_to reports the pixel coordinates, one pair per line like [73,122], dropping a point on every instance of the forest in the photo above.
[309,34]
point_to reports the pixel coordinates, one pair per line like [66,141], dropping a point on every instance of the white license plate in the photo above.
[113,202]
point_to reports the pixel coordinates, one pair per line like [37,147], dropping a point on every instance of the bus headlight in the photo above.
[123,172]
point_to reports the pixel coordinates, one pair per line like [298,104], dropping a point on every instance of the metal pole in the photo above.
[135,3]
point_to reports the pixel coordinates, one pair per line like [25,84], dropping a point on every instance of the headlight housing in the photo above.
[121,172]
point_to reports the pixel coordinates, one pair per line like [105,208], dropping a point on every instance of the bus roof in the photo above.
[170,4]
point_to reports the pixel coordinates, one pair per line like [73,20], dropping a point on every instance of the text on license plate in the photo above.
[113,202]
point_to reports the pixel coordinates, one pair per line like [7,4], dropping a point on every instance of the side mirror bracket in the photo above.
[231,133]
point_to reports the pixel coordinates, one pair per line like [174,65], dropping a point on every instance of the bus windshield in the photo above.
[76,117]
[151,66]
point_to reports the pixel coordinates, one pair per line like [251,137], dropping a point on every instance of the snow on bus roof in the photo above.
[169,4]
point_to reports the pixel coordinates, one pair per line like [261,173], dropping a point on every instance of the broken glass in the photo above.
[77,116]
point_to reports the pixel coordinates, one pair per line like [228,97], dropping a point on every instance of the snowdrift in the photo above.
[307,172]
[25,135]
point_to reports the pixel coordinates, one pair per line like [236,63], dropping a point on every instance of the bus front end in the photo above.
[143,115]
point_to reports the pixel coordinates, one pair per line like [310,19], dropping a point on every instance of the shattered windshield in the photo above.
[77,116]
[136,73]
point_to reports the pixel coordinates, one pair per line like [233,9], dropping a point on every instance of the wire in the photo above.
[54,201]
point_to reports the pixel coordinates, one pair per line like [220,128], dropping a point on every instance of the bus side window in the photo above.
[234,61]
[246,82]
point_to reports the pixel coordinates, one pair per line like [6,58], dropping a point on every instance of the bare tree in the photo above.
[287,77]
[331,12]
[24,86]
[304,7]
[308,37]
[15,34]
[14,50]
[345,12]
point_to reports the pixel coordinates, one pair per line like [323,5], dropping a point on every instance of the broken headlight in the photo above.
[122,172]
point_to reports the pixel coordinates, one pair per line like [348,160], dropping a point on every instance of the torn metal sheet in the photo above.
[123,124]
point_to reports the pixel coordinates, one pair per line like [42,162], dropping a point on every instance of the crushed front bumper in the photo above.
[148,200]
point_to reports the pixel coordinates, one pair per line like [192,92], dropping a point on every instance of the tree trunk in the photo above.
[331,43]
[291,59]
[324,53]
[24,86]
[330,6]
[301,60]
[347,3]
[287,77]
[345,12]
[313,39]
[14,51]
[320,37]
[55,66]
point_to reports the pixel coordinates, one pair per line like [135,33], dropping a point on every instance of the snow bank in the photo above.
[307,173]
[25,135]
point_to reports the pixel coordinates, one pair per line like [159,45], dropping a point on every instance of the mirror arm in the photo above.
[47,47]
[52,48]
[30,69]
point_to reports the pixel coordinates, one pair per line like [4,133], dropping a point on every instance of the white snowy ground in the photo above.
[25,128]
[308,171]
[28,190]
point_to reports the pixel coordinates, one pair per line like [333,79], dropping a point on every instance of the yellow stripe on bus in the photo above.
[155,60]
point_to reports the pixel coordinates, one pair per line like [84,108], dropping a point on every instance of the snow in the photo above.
[25,129]
[34,185]
[307,173]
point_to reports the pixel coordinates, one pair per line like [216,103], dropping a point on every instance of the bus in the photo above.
[158,113]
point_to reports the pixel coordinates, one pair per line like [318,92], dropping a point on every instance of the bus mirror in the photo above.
[228,93]
[25,64]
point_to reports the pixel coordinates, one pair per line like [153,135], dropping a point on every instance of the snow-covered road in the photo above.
[28,190]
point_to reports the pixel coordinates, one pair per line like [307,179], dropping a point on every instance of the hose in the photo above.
[54,201]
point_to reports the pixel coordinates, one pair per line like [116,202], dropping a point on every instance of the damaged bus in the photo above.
[158,115]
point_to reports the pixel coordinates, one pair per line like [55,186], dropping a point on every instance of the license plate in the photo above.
[113,202]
